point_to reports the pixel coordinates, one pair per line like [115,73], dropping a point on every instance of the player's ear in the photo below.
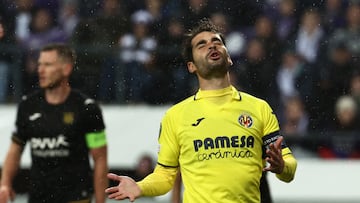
[67,69]
[191,67]
[230,61]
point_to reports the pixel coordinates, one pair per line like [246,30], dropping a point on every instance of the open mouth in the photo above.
[214,55]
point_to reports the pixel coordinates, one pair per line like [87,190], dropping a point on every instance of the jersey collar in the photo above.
[218,93]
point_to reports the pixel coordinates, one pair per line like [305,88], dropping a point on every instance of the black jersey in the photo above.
[60,169]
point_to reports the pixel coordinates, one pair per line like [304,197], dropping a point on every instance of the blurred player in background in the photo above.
[62,127]
[219,138]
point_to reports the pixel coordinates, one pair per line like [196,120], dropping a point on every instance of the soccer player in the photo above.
[62,127]
[219,138]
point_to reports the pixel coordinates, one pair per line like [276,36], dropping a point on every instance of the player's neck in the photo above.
[58,94]
[214,83]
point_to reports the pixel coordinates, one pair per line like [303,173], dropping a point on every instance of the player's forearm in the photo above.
[159,182]
[288,173]
[11,165]
[100,179]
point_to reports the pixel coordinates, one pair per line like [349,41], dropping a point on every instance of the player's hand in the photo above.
[127,188]
[6,194]
[274,157]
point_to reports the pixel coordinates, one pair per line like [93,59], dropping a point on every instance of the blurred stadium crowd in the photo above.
[300,56]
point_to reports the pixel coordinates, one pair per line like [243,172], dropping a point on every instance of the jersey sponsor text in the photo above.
[224,142]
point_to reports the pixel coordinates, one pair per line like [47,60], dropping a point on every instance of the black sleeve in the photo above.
[93,118]
[19,133]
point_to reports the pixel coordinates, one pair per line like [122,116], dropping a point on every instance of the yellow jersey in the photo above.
[218,139]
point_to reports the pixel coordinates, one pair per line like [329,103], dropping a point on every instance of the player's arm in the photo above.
[290,165]
[97,144]
[277,153]
[100,170]
[165,173]
[157,183]
[9,170]
[96,141]
[161,180]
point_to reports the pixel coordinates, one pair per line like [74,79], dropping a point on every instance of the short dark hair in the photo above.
[64,51]
[204,25]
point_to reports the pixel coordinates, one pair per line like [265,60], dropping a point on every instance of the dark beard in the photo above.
[217,70]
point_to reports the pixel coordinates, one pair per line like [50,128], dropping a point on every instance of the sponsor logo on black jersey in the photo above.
[89,101]
[50,146]
[68,118]
[49,142]
[34,116]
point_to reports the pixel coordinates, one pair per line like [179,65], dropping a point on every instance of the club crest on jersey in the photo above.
[68,118]
[245,120]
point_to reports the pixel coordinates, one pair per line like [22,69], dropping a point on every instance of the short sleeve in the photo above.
[168,142]
[19,134]
[93,117]
[271,123]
